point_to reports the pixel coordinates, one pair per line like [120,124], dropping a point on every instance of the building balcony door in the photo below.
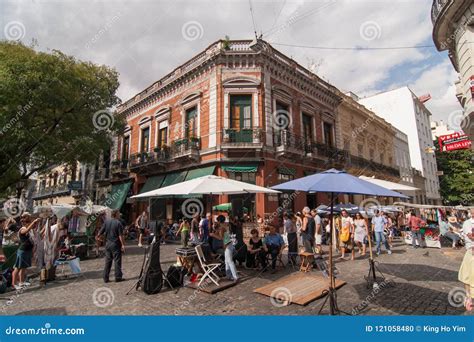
[241,118]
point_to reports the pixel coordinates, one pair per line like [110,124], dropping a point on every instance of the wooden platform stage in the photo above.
[209,287]
[299,288]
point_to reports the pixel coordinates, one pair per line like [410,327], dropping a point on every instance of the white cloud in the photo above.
[146,41]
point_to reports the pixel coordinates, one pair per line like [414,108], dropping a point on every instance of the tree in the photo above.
[53,110]
[457,181]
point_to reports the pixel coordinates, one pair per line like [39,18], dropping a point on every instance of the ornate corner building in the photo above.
[453,30]
[243,110]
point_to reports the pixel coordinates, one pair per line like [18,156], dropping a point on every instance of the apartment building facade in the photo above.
[239,109]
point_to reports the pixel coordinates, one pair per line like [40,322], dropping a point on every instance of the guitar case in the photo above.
[152,273]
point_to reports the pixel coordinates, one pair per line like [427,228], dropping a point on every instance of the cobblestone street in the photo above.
[422,279]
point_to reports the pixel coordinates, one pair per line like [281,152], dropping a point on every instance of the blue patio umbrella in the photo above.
[336,182]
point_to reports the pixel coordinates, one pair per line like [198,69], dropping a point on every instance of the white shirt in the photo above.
[467,229]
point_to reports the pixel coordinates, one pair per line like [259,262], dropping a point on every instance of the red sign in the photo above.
[455,141]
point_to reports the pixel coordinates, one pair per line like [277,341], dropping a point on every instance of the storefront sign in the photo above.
[452,142]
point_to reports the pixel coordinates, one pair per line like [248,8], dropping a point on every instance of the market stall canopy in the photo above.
[335,181]
[389,185]
[210,184]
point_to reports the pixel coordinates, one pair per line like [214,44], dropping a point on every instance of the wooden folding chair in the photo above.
[207,268]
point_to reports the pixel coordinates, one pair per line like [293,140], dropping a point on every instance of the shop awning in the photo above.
[118,195]
[174,178]
[246,168]
[152,183]
[203,171]
[287,171]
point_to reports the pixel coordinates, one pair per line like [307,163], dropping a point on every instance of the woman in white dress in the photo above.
[360,232]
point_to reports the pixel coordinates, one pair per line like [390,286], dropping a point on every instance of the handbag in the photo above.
[345,234]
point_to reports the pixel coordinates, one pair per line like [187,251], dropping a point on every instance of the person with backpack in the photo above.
[24,252]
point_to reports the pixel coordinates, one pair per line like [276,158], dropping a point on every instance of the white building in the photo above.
[402,108]
[439,128]
[453,30]
[401,151]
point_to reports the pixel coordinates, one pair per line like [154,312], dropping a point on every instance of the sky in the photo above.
[145,40]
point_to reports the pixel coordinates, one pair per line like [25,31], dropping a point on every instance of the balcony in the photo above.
[187,148]
[371,166]
[334,156]
[248,138]
[120,167]
[50,191]
[145,160]
[287,143]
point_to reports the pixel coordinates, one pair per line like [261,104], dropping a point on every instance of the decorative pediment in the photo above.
[308,106]
[144,120]
[241,82]
[127,129]
[163,113]
[190,97]
[280,91]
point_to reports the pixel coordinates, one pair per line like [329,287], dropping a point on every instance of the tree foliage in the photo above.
[52,111]
[457,181]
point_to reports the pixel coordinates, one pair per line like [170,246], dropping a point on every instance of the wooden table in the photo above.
[306,261]
[187,262]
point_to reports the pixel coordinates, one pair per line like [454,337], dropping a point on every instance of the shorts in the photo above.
[23,258]
[319,239]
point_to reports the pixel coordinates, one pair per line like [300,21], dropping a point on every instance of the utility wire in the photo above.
[253,19]
[356,48]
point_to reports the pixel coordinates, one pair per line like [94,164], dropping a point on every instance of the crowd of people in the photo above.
[305,231]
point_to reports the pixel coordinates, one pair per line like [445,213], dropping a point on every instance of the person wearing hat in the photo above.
[24,252]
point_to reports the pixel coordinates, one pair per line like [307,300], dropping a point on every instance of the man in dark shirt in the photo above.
[112,229]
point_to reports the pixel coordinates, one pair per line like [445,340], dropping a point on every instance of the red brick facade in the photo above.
[233,94]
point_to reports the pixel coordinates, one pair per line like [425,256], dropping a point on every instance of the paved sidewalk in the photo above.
[420,281]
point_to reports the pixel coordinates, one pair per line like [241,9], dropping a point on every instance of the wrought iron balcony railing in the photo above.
[242,136]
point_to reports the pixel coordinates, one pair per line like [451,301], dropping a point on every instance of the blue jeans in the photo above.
[414,235]
[230,270]
[380,238]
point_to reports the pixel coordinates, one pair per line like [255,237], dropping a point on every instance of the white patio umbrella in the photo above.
[389,185]
[208,185]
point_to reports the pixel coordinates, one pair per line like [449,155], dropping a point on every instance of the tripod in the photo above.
[372,276]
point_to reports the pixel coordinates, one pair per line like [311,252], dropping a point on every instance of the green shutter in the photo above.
[203,171]
[118,195]
[248,168]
